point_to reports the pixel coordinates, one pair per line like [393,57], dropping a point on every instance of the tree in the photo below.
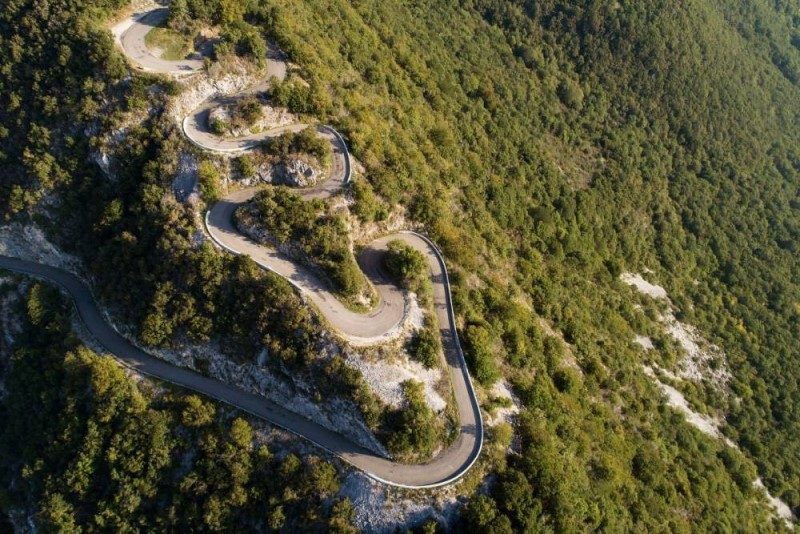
[241,434]
[479,352]
[415,430]
[178,15]
[425,345]
[58,515]
[240,37]
[197,413]
[571,94]
[480,512]
[322,477]
[230,11]
[404,262]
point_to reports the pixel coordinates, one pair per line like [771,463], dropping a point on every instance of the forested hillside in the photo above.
[547,146]
[581,139]
[100,452]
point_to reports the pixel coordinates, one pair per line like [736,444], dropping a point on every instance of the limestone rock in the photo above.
[219,119]
[294,172]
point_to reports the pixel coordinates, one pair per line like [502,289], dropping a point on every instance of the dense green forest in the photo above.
[546,146]
[580,139]
[97,451]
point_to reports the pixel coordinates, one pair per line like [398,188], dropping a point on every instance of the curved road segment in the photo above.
[132,41]
[448,465]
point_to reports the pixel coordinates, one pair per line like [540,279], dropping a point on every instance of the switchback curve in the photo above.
[450,464]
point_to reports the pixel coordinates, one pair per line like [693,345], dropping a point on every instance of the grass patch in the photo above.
[173,45]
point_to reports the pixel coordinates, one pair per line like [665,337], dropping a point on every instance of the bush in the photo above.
[367,206]
[244,166]
[218,126]
[478,343]
[566,380]
[245,113]
[285,215]
[404,262]
[571,94]
[179,17]
[209,180]
[480,512]
[245,40]
[415,430]
[248,110]
[425,346]
[301,98]
[305,141]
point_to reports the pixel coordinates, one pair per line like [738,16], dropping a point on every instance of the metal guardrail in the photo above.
[475,454]
[451,315]
[464,370]
[347,166]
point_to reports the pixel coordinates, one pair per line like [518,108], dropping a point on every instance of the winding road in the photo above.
[450,464]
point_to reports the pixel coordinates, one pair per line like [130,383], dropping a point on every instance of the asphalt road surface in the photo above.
[132,41]
[450,464]
[454,460]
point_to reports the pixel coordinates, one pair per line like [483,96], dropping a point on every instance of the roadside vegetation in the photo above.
[306,141]
[87,447]
[425,345]
[188,17]
[367,206]
[320,235]
[416,429]
[405,263]
[244,114]
[410,268]
[299,95]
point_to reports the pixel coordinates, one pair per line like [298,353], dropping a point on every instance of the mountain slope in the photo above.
[547,147]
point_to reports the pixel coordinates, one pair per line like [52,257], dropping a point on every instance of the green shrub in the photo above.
[300,97]
[305,141]
[566,380]
[248,110]
[478,345]
[179,16]
[243,39]
[209,180]
[367,206]
[219,126]
[415,431]
[480,513]
[571,94]
[285,215]
[425,345]
[244,166]
[405,263]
